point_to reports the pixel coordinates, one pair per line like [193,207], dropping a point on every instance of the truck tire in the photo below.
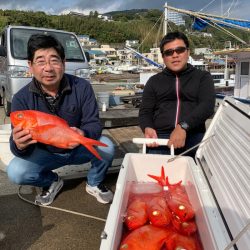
[6,106]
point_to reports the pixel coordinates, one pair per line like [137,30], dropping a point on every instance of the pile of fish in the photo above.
[160,220]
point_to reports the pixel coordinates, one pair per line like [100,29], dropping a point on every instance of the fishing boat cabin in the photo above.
[242,71]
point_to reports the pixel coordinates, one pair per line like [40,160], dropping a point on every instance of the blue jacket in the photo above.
[77,105]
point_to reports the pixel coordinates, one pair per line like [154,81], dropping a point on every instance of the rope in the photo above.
[149,32]
[59,209]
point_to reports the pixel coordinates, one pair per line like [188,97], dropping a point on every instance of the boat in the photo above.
[220,80]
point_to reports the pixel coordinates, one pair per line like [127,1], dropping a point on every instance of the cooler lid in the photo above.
[225,161]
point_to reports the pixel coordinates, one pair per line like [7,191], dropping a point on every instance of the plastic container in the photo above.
[5,154]
[102,97]
[114,100]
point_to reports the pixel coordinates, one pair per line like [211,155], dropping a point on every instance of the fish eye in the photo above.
[19,115]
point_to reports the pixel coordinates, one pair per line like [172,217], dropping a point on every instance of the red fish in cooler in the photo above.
[176,196]
[136,215]
[178,203]
[184,227]
[147,237]
[158,212]
[177,241]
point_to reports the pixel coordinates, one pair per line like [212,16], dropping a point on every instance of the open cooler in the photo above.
[217,183]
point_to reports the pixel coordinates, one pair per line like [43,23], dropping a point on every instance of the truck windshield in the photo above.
[19,39]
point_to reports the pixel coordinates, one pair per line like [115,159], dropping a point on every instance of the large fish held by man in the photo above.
[52,130]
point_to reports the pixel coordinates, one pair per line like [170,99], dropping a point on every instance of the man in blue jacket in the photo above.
[71,98]
[177,101]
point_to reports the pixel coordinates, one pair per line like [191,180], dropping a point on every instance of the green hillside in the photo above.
[143,25]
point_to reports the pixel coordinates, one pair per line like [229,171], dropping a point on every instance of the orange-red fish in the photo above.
[147,237]
[177,241]
[51,130]
[158,212]
[179,204]
[136,215]
[184,227]
[177,198]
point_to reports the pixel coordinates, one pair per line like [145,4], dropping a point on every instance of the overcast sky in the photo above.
[237,8]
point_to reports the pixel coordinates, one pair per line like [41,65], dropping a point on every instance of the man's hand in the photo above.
[22,138]
[177,137]
[74,145]
[151,133]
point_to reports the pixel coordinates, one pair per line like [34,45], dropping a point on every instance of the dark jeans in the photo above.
[191,140]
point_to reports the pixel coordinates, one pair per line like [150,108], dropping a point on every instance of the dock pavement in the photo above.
[26,226]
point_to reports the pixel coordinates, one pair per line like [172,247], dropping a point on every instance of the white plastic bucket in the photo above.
[5,154]
[102,98]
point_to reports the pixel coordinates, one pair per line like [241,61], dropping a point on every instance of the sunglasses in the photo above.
[178,50]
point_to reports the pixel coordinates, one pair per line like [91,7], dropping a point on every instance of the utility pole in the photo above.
[165,26]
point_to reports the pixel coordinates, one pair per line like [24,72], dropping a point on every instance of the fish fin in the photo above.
[89,143]
[160,179]
[172,185]
[93,151]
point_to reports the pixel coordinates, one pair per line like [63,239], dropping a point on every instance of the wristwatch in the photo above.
[184,125]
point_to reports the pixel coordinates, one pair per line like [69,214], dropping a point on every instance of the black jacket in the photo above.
[169,99]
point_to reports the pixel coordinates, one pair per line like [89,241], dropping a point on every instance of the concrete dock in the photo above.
[65,225]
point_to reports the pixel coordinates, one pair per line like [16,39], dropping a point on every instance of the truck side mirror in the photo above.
[87,55]
[3,51]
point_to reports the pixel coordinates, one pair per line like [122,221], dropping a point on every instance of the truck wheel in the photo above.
[7,106]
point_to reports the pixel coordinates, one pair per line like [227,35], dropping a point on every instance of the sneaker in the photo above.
[102,194]
[48,194]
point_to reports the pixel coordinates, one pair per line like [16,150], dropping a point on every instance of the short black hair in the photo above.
[171,36]
[42,41]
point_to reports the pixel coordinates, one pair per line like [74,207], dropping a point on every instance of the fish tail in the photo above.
[89,143]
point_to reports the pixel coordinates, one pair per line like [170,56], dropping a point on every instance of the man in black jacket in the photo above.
[177,101]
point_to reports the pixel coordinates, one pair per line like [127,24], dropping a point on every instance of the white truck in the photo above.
[14,71]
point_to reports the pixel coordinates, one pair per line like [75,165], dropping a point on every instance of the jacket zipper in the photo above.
[177,88]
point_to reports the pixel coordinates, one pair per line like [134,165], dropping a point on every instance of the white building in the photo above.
[132,43]
[206,52]
[175,17]
[86,41]
[242,72]
[110,52]
[107,18]
[154,55]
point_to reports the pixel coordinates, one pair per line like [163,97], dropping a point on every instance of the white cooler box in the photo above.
[218,186]
[5,155]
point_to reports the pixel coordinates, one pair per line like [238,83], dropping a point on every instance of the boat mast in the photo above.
[165,26]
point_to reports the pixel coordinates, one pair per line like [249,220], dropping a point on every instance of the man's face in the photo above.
[47,67]
[177,60]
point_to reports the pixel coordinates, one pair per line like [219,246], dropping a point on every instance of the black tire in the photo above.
[6,106]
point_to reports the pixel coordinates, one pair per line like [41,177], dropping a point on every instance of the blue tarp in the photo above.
[138,54]
[199,24]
